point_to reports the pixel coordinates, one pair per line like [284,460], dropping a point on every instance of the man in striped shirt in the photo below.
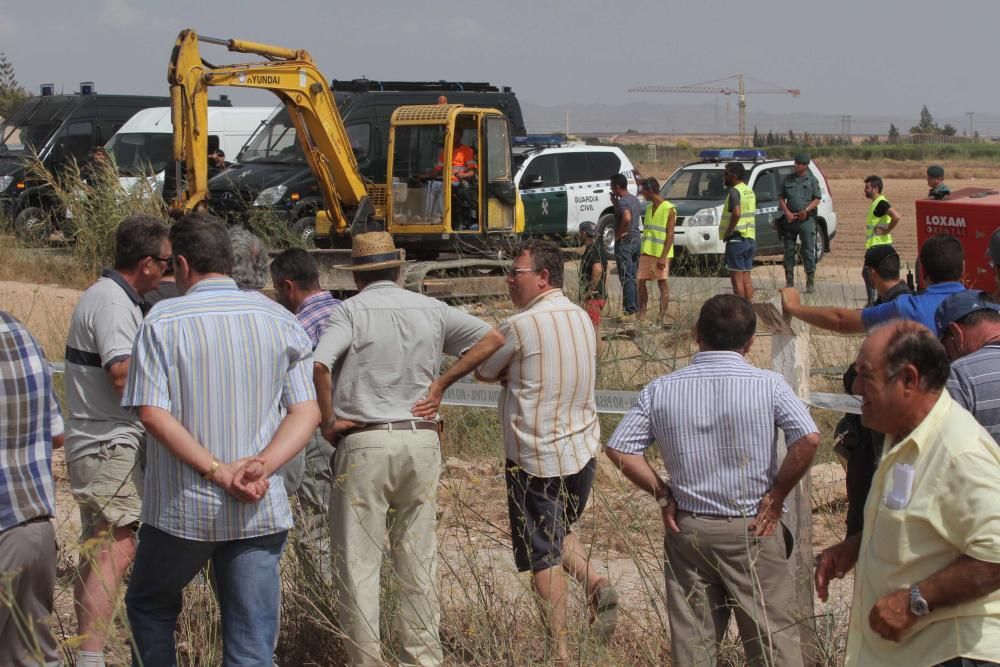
[551,434]
[32,426]
[222,381]
[727,551]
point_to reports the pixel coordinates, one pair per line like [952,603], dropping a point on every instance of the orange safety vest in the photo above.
[462,158]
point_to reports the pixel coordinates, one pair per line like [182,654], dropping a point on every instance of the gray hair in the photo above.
[249,259]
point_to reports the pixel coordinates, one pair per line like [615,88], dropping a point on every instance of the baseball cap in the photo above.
[588,228]
[993,252]
[875,254]
[960,304]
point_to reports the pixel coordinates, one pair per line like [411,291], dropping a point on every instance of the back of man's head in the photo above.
[737,169]
[249,259]
[297,265]
[204,242]
[619,181]
[726,323]
[544,255]
[137,237]
[942,258]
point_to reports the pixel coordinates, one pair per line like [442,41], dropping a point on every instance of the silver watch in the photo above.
[664,500]
[918,605]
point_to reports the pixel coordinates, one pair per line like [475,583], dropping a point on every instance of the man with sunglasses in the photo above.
[102,439]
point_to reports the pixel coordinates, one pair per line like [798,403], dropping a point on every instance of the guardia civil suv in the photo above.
[565,184]
[698,192]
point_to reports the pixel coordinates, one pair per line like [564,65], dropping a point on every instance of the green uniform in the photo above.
[746,226]
[798,192]
[654,230]
[874,221]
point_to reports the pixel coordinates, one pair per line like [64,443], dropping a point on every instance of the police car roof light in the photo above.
[717,155]
[540,140]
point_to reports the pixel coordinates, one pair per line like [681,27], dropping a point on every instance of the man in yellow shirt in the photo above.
[657,248]
[928,559]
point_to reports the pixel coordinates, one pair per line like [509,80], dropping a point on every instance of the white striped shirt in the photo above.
[226,364]
[716,424]
[547,409]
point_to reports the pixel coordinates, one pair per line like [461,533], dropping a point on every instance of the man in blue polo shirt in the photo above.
[942,263]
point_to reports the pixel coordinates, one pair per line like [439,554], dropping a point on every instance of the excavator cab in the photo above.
[451,175]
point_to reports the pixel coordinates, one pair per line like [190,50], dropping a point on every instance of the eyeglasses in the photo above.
[512,272]
[165,260]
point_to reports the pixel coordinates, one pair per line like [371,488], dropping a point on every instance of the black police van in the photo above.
[271,173]
[58,130]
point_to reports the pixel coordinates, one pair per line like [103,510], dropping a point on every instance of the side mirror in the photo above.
[531,181]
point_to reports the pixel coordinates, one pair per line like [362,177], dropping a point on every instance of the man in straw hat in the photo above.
[386,345]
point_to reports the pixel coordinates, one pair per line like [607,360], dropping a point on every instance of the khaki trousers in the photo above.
[387,480]
[715,568]
[27,589]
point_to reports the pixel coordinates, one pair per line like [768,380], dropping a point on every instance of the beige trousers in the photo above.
[27,589]
[715,568]
[387,481]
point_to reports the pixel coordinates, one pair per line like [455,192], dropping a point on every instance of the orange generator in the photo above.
[971,215]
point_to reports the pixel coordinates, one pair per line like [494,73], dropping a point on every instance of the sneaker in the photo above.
[605,610]
[627,318]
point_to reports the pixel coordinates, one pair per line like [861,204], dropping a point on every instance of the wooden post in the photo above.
[790,357]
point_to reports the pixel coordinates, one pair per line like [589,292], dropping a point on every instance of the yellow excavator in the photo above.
[427,204]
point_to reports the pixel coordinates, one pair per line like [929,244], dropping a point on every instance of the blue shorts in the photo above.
[739,253]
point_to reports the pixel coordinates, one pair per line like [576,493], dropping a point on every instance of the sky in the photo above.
[846,56]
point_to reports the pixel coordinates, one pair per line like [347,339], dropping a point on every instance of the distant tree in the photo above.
[771,140]
[756,138]
[871,140]
[893,134]
[11,92]
[949,130]
[791,138]
[926,124]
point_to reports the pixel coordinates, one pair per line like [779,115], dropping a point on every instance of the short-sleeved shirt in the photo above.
[314,313]
[974,384]
[101,332]
[882,208]
[798,191]
[592,255]
[916,307]
[953,509]
[226,364]
[716,422]
[548,409]
[384,348]
[631,203]
[31,419]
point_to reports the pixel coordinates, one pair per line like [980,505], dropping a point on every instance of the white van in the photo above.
[144,144]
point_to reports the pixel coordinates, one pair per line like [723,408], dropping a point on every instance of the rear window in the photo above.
[698,184]
[573,168]
[604,165]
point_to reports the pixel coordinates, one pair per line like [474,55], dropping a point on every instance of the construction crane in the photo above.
[710,87]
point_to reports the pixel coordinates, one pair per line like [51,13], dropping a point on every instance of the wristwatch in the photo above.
[664,500]
[918,605]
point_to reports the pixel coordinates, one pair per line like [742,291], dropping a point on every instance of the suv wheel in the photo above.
[33,225]
[606,234]
[304,229]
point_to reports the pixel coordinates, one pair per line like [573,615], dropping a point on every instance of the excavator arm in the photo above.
[293,77]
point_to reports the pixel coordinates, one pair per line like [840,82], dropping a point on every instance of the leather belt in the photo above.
[407,425]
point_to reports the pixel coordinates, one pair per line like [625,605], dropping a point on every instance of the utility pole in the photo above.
[970,114]
[845,126]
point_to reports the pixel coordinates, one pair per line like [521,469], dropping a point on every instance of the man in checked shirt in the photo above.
[726,548]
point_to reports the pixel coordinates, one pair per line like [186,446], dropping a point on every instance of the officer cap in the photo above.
[802,158]
[934,171]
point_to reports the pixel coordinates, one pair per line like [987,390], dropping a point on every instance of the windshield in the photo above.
[703,184]
[274,142]
[141,153]
[26,138]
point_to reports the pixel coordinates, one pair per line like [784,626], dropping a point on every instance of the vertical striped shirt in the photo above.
[716,424]
[974,383]
[314,314]
[30,419]
[225,364]
[547,408]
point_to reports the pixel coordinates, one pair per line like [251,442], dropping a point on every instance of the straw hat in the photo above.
[372,251]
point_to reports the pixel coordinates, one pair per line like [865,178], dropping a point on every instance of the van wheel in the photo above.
[304,229]
[33,225]
[606,234]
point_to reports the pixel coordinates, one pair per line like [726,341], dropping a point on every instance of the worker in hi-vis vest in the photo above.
[738,229]
[657,248]
[882,219]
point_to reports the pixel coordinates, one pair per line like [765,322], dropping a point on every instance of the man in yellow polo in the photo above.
[882,219]
[928,558]
[738,229]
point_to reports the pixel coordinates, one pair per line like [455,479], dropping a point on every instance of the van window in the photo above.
[603,165]
[574,168]
[76,141]
[702,184]
[497,150]
[544,166]
[766,186]
[359,135]
[141,153]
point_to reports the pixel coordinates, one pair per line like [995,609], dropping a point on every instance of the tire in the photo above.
[606,234]
[33,225]
[305,230]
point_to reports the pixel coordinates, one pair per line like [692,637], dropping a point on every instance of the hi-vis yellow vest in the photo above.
[870,237]
[747,224]
[654,230]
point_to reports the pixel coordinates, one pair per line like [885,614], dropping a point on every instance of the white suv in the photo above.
[564,185]
[698,192]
